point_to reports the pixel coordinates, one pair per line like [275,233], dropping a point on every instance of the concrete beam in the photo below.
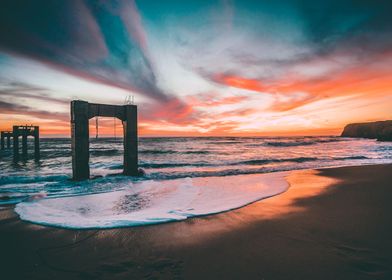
[104,110]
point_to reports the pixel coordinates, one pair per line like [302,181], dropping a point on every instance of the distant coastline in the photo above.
[380,130]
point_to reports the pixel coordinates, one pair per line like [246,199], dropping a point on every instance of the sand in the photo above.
[331,224]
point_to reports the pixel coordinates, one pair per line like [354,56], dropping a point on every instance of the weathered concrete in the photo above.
[24,144]
[130,141]
[81,112]
[9,140]
[80,140]
[36,143]
[15,134]
[2,140]
[24,131]
[6,135]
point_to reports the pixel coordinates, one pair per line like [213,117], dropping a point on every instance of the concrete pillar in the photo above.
[130,141]
[2,140]
[24,144]
[36,143]
[8,141]
[16,143]
[80,140]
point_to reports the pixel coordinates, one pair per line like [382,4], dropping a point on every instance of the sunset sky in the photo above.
[198,68]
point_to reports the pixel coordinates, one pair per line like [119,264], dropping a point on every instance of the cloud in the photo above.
[18,90]
[17,109]
[240,82]
[74,37]
[213,99]
[294,90]
[174,111]
[207,68]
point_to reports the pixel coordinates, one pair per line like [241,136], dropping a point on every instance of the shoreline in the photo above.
[334,220]
[266,185]
[263,177]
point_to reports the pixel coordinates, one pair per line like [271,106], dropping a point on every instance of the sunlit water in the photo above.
[184,177]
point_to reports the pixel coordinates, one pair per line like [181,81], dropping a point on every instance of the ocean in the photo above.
[185,177]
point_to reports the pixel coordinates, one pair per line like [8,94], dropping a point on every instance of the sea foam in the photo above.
[152,202]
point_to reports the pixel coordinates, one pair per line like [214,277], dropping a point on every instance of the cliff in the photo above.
[381,130]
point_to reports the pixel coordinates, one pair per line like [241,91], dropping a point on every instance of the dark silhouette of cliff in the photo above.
[381,130]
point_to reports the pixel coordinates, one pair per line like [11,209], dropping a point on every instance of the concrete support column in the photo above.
[80,140]
[2,140]
[130,141]
[24,144]
[8,141]
[16,143]
[36,143]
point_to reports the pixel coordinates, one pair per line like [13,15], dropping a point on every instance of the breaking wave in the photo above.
[152,202]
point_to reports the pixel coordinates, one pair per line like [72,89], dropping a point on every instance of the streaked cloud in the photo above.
[199,67]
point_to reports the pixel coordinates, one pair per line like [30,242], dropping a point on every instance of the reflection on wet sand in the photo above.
[303,184]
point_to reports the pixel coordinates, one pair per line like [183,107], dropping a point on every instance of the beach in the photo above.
[331,223]
[195,140]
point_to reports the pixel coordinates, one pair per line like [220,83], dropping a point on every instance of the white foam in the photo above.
[151,202]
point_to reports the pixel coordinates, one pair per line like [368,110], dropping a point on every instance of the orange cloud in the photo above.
[173,110]
[240,82]
[296,91]
[210,100]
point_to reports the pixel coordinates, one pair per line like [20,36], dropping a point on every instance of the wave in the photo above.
[196,152]
[246,162]
[169,165]
[265,161]
[105,152]
[225,142]
[4,180]
[151,202]
[352,157]
[303,142]
[158,152]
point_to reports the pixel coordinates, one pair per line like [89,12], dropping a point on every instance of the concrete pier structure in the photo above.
[24,131]
[81,112]
[6,135]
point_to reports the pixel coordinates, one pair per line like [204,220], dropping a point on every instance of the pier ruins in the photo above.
[24,131]
[81,113]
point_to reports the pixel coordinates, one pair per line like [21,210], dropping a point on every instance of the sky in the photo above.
[198,68]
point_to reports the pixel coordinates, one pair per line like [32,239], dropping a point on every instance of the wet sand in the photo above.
[330,224]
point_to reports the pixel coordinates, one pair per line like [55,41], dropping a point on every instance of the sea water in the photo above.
[185,177]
